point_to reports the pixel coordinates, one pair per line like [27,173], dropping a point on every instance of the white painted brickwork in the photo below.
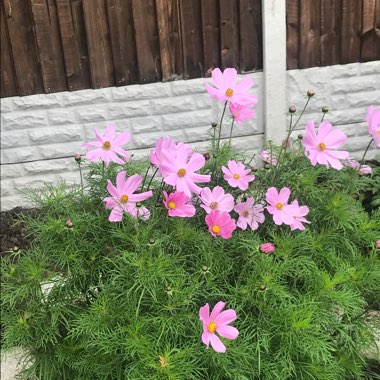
[41,133]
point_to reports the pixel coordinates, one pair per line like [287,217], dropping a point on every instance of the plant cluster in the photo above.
[202,266]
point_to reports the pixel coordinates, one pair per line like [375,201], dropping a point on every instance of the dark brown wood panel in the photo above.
[330,32]
[251,45]
[351,30]
[123,42]
[49,45]
[229,31]
[293,33]
[22,40]
[74,44]
[192,40]
[169,36]
[8,81]
[310,33]
[370,43]
[98,42]
[147,41]
[211,35]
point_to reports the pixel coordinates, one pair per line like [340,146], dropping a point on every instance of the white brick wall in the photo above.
[41,133]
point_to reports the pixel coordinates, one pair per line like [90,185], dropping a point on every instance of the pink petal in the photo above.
[120,181]
[217,77]
[227,203]
[310,139]
[116,215]
[122,139]
[225,317]
[110,133]
[216,310]
[245,84]
[284,195]
[114,158]
[204,313]
[216,343]
[230,77]
[228,332]
[132,184]
[120,151]
[335,139]
[242,223]
[206,338]
[271,196]
[113,190]
[196,162]
[205,195]
[140,197]
[94,155]
[99,136]
[215,93]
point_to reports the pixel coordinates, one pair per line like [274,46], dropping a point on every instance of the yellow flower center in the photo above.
[236,176]
[378,131]
[106,145]
[229,92]
[214,205]
[181,172]
[124,198]
[215,229]
[279,206]
[172,205]
[245,214]
[212,327]
[321,147]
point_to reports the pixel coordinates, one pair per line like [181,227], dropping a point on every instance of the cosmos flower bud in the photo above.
[310,93]
[214,125]
[300,136]
[78,157]
[204,268]
[151,241]
[206,156]
[263,287]
[267,248]
[69,223]
[325,109]
[292,109]
[16,248]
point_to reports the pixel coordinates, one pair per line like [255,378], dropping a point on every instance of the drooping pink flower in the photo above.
[217,322]
[241,113]
[237,175]
[215,199]
[268,158]
[179,170]
[267,248]
[168,144]
[220,224]
[299,218]
[320,148]
[108,147]
[138,211]
[227,89]
[177,205]
[373,120]
[278,206]
[249,214]
[364,169]
[123,198]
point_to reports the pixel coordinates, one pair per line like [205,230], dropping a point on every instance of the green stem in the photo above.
[232,126]
[151,179]
[146,173]
[302,112]
[365,152]
[216,155]
[323,116]
[81,178]
[103,179]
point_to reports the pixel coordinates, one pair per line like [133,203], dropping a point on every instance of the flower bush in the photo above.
[122,274]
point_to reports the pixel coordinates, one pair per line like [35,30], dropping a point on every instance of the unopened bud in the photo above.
[310,93]
[214,125]
[168,288]
[300,137]
[206,156]
[254,168]
[286,143]
[325,109]
[69,223]
[292,109]
[78,157]
[263,287]
[151,241]
[16,248]
[138,204]
[204,268]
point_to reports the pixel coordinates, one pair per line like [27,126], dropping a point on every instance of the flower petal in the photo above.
[228,332]
[216,343]
[225,317]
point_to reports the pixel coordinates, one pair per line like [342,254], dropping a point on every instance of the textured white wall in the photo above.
[41,133]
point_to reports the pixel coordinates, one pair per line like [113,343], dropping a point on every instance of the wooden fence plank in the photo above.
[293,33]
[370,42]
[192,41]
[169,35]
[123,42]
[20,26]
[8,82]
[351,30]
[211,33]
[251,36]
[98,42]
[147,41]
[74,44]
[310,33]
[229,31]
[330,31]
[49,45]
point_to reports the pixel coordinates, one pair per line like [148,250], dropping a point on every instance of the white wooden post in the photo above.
[274,53]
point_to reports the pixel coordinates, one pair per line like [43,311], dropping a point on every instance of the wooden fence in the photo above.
[58,45]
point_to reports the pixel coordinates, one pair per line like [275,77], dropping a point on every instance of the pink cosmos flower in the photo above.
[268,158]
[168,144]
[220,224]
[227,89]
[138,211]
[319,148]
[217,322]
[108,147]
[278,207]
[177,205]
[267,248]
[237,175]
[216,199]
[364,169]
[123,198]
[241,113]
[373,120]
[249,214]
[179,169]
[299,218]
